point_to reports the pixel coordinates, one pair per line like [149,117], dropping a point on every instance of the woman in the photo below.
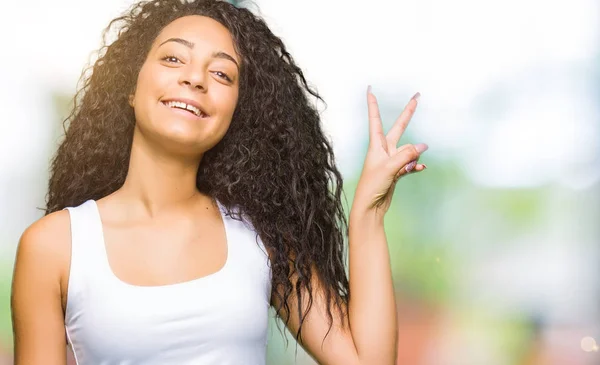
[199,189]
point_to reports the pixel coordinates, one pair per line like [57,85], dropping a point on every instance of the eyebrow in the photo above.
[190,45]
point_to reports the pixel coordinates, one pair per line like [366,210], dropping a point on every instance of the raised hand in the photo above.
[385,163]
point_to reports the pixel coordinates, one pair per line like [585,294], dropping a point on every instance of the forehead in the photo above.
[200,30]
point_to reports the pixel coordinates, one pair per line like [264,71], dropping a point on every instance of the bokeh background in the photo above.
[494,247]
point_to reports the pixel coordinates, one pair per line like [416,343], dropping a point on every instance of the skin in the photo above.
[181,229]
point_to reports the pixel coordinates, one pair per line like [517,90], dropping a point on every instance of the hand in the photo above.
[385,163]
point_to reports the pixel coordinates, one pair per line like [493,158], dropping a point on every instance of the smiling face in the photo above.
[187,88]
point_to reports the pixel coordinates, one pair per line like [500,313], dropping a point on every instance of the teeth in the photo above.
[181,105]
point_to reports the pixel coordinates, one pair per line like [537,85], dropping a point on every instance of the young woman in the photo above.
[199,190]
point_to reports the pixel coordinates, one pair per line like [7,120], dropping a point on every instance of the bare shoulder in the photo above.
[43,258]
[48,235]
[47,241]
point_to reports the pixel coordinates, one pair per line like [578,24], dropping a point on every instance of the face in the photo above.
[187,88]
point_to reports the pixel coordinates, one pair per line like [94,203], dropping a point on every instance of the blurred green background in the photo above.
[494,247]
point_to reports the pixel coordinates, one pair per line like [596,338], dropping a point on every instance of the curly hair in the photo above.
[274,164]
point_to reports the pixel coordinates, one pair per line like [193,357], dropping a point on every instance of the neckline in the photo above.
[202,279]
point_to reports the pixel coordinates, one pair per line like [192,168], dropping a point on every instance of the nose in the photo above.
[193,77]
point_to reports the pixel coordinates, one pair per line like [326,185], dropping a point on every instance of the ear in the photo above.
[132,100]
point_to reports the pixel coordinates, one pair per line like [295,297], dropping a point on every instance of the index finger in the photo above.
[375,124]
[401,123]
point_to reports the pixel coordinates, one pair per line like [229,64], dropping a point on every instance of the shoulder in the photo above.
[46,244]
[37,290]
[47,233]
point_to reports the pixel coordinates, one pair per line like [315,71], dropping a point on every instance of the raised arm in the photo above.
[36,301]
[371,337]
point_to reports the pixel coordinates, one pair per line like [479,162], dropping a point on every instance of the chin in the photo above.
[185,143]
[182,136]
[189,142]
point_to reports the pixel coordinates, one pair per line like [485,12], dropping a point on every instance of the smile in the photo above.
[187,108]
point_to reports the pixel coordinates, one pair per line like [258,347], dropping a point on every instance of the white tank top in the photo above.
[219,319]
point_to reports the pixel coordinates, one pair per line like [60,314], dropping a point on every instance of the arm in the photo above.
[36,304]
[371,337]
[368,334]
[372,307]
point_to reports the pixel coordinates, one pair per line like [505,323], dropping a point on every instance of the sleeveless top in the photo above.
[220,319]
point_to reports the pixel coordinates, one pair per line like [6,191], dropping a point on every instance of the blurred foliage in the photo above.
[5,318]
[415,227]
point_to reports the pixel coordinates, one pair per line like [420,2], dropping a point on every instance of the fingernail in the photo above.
[421,147]
[417,96]
[424,166]
[411,165]
[369,89]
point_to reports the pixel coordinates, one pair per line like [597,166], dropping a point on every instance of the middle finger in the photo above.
[401,123]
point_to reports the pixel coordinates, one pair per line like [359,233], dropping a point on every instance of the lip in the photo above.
[188,102]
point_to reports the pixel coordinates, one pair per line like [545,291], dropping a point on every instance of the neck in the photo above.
[158,181]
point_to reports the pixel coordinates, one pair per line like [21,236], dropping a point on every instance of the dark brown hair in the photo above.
[274,164]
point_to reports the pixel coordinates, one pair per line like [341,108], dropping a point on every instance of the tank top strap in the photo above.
[86,248]
[247,255]
[231,222]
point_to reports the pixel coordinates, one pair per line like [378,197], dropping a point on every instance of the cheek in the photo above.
[141,89]
[148,85]
[227,102]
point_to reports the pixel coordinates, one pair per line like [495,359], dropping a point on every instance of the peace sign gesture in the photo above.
[385,163]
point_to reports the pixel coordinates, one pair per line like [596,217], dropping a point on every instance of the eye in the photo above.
[171,59]
[222,75]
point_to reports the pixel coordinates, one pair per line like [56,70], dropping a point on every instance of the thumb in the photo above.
[406,154]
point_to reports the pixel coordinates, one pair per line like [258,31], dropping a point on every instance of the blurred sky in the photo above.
[505,84]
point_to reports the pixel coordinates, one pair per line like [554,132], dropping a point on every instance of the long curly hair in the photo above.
[274,165]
